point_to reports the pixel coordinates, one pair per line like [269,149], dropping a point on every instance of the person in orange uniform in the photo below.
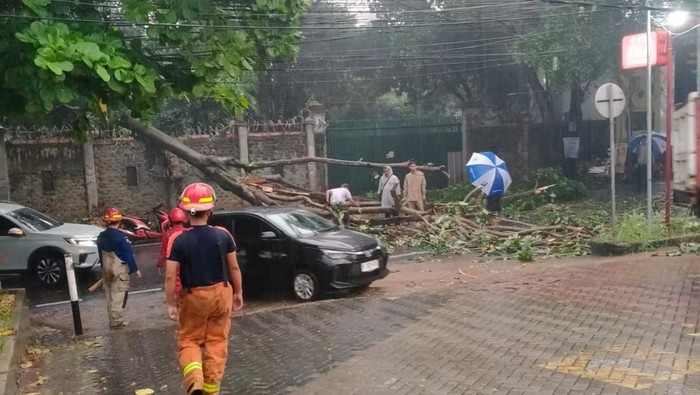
[176,224]
[205,256]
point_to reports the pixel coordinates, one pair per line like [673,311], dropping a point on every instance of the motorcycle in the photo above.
[138,229]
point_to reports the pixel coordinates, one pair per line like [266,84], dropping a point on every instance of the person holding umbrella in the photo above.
[490,174]
[638,147]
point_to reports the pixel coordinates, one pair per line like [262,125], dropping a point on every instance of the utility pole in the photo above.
[650,212]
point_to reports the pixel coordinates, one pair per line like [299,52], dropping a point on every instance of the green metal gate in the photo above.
[425,140]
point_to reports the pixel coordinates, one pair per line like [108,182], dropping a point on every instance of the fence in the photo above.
[425,140]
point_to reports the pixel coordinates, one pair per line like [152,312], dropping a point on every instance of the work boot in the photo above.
[195,389]
[120,325]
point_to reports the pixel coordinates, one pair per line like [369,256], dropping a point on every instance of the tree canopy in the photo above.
[135,54]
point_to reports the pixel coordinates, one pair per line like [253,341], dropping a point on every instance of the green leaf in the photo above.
[116,86]
[65,65]
[64,95]
[147,83]
[117,62]
[25,38]
[102,72]
[38,6]
[55,68]
[245,64]
[199,90]
[123,75]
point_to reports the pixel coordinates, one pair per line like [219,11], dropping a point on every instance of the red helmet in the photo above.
[197,197]
[177,216]
[112,215]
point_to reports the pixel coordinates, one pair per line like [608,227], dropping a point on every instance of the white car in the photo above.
[34,242]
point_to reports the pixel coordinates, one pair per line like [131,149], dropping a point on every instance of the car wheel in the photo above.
[305,286]
[49,268]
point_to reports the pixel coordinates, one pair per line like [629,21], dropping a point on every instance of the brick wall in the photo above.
[277,145]
[112,157]
[28,158]
[64,160]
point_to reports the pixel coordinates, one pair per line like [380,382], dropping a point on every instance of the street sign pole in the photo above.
[612,155]
[650,212]
[610,101]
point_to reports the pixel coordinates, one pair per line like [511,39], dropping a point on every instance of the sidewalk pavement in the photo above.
[589,326]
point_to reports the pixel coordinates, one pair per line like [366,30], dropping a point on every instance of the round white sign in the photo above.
[609,98]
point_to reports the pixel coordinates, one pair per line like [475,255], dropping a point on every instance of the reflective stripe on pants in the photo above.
[205,321]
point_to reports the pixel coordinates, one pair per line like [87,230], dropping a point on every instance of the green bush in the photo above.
[564,189]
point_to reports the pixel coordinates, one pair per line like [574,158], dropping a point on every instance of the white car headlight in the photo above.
[83,242]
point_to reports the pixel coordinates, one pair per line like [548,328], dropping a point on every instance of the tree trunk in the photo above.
[208,165]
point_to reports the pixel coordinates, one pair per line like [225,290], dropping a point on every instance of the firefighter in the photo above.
[205,256]
[176,220]
[118,263]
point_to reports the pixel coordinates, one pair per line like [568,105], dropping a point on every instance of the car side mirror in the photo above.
[15,232]
[268,235]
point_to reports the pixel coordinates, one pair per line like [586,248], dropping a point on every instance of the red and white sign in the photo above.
[634,50]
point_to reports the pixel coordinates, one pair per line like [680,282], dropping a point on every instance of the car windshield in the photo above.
[302,224]
[33,219]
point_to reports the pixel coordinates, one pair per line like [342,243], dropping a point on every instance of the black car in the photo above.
[293,246]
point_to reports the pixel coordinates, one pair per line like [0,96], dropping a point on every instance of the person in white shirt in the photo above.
[642,163]
[339,199]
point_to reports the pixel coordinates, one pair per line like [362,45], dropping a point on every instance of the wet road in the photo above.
[38,294]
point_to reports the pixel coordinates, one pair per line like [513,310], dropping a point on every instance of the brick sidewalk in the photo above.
[608,326]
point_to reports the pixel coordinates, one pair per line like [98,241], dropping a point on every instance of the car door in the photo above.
[13,250]
[264,247]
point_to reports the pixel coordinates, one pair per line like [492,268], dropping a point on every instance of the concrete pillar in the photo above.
[243,147]
[90,175]
[309,125]
[525,141]
[318,113]
[4,171]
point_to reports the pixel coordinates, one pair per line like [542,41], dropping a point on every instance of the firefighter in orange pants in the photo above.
[205,257]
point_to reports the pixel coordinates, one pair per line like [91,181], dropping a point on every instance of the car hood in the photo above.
[74,230]
[341,240]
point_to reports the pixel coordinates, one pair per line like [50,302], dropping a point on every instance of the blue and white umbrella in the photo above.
[658,143]
[489,173]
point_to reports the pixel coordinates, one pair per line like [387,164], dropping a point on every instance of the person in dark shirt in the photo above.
[118,263]
[205,257]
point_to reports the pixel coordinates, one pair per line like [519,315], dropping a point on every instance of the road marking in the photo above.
[406,255]
[55,303]
[143,291]
[626,365]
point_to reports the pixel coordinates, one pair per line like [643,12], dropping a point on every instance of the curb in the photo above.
[11,355]
[608,248]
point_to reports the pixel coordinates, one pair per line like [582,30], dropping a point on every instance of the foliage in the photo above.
[137,54]
[578,39]
[451,193]
[634,228]
[564,190]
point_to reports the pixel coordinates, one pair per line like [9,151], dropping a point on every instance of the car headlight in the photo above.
[337,254]
[83,242]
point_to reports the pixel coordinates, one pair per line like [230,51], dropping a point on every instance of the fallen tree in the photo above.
[443,228]
[256,190]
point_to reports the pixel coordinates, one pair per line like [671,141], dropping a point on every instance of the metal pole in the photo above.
[613,155]
[73,290]
[670,85]
[648,153]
